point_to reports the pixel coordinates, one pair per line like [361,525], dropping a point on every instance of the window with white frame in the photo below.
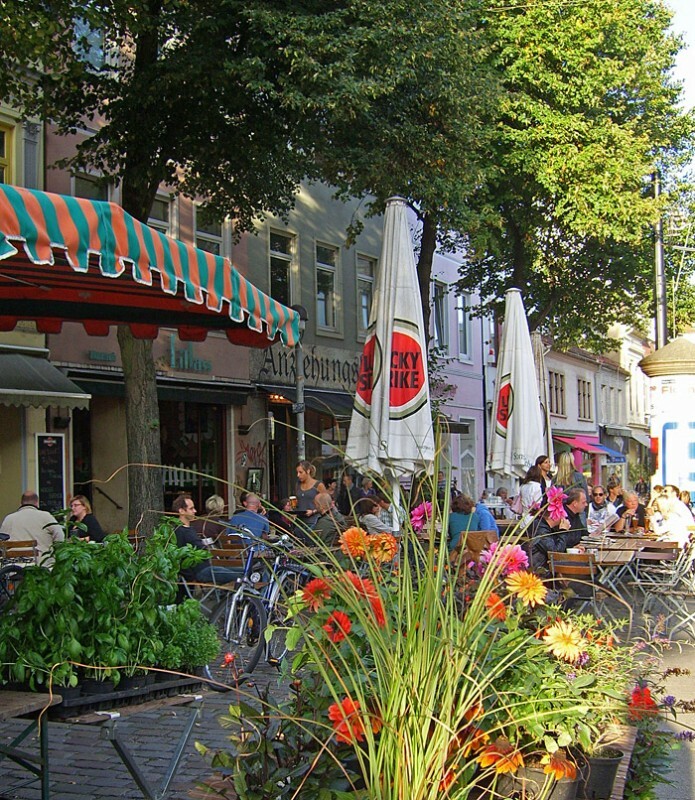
[366,271]
[91,187]
[467,460]
[584,399]
[281,258]
[440,317]
[160,215]
[556,392]
[5,154]
[208,231]
[326,286]
[463,328]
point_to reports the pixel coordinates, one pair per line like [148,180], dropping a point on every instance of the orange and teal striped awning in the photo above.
[66,258]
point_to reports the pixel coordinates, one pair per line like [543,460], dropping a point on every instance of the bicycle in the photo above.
[240,618]
[14,556]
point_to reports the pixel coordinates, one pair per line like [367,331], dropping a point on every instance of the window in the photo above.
[5,154]
[281,256]
[89,43]
[326,301]
[441,321]
[584,404]
[208,232]
[556,390]
[159,218]
[366,270]
[467,459]
[90,187]
[463,328]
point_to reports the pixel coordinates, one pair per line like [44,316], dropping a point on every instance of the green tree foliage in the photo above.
[590,112]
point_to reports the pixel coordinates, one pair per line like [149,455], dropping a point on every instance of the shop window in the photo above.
[366,270]
[193,450]
[281,259]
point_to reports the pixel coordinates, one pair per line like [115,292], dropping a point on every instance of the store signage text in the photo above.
[185,358]
[318,370]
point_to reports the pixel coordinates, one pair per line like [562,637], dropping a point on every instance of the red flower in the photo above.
[641,702]
[347,721]
[338,626]
[363,586]
[378,611]
[315,593]
[495,607]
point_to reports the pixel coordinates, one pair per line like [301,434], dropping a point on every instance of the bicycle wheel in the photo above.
[10,578]
[240,620]
[285,587]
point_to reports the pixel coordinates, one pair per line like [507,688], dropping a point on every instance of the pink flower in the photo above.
[555,496]
[420,514]
[510,557]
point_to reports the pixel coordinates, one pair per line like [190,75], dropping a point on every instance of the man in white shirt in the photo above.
[29,522]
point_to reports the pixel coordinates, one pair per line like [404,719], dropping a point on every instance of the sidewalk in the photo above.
[85,766]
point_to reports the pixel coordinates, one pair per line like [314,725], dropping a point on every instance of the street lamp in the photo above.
[298,407]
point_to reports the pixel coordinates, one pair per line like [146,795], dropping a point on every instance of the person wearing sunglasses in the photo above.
[600,514]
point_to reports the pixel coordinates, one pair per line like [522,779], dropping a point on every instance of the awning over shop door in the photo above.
[330,404]
[27,378]
[578,443]
[614,456]
[66,258]
[642,439]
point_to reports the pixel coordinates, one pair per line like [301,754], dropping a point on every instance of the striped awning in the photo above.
[66,258]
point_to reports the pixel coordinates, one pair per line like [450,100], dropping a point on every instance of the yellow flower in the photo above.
[528,587]
[564,641]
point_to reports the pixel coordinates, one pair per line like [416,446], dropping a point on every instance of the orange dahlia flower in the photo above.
[353,542]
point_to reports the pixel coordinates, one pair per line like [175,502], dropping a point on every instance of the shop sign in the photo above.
[321,369]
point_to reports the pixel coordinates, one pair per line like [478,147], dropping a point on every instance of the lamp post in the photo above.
[298,406]
[659,274]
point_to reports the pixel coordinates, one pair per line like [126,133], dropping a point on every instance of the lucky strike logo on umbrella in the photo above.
[505,405]
[407,370]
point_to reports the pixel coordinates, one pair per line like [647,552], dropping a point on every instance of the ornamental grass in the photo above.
[416,679]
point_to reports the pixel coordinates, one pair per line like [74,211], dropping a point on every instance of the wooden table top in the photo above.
[16,704]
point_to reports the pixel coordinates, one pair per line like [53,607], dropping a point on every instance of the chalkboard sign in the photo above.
[50,470]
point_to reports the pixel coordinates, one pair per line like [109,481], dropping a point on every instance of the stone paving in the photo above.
[85,766]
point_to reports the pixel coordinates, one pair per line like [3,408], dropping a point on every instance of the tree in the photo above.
[181,93]
[591,111]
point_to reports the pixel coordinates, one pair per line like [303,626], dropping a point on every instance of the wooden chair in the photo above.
[18,551]
[471,545]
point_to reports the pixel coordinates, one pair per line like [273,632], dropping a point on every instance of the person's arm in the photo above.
[94,530]
[56,531]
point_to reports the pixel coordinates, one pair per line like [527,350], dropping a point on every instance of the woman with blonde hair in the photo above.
[568,476]
[83,523]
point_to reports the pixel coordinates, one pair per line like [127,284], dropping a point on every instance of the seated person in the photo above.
[575,505]
[551,535]
[600,515]
[463,518]
[487,520]
[367,510]
[251,519]
[82,513]
[631,514]
[214,523]
[204,572]
[330,523]
[280,518]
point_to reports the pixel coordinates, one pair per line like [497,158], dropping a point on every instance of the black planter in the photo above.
[96,686]
[598,776]
[528,783]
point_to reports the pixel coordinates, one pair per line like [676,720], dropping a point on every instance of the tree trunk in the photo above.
[428,245]
[145,487]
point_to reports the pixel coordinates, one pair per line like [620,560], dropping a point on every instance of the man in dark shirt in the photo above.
[575,506]
[347,497]
[631,514]
[185,534]
[551,535]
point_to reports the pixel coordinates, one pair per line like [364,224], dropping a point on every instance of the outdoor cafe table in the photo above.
[613,557]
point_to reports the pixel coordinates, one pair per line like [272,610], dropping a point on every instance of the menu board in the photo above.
[50,471]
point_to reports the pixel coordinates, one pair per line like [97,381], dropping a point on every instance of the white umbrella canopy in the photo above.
[543,397]
[517,436]
[391,428]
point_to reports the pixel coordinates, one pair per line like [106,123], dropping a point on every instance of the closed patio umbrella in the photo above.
[391,429]
[517,425]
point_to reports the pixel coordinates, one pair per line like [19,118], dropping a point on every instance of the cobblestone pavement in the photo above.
[83,765]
